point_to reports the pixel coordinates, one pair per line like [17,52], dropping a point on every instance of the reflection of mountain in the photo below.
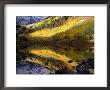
[58,42]
[56,58]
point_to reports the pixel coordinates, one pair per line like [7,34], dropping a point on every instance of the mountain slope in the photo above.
[71,23]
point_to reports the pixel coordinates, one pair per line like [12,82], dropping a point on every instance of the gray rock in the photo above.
[25,67]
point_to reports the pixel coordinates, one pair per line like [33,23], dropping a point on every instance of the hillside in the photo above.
[71,23]
[68,30]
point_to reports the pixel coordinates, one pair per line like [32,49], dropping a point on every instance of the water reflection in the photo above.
[55,57]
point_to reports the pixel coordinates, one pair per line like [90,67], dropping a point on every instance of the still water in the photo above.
[55,57]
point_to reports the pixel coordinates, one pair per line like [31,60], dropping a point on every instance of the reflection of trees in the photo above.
[81,53]
[75,53]
[51,63]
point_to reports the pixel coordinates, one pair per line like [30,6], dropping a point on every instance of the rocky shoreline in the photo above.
[86,67]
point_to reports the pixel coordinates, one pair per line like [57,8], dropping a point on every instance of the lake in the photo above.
[61,59]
